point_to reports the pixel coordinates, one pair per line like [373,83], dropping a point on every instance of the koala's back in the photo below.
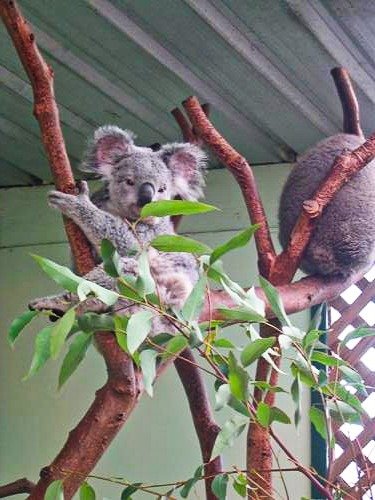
[344,238]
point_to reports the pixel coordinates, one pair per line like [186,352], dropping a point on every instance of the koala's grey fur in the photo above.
[133,176]
[343,241]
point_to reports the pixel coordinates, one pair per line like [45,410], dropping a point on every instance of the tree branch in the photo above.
[243,174]
[343,169]
[20,486]
[349,102]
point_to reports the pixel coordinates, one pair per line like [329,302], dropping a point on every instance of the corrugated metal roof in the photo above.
[262,64]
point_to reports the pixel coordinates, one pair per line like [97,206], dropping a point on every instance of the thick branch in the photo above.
[47,114]
[344,168]
[17,487]
[349,102]
[88,441]
[242,172]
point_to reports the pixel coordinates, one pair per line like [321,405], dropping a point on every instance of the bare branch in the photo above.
[349,102]
[20,486]
[243,174]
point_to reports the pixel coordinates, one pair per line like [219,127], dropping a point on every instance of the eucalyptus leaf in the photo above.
[18,324]
[60,331]
[241,314]
[185,490]
[240,485]
[275,301]
[359,333]
[255,349]
[110,258]
[129,490]
[229,432]
[167,208]
[223,343]
[177,344]
[263,414]
[147,360]
[55,491]
[219,486]
[318,420]
[42,351]
[175,243]
[86,492]
[61,274]
[128,290]
[138,328]
[238,379]
[195,301]
[237,241]
[326,359]
[145,283]
[76,353]
[295,391]
[93,322]
[278,415]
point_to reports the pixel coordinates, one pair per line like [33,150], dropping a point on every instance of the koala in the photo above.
[133,176]
[343,241]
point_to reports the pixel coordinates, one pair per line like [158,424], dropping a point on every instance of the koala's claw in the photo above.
[59,200]
[83,188]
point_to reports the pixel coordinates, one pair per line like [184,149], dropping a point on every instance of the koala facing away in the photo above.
[133,176]
[343,240]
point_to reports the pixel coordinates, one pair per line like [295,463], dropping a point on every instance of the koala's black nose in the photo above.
[145,194]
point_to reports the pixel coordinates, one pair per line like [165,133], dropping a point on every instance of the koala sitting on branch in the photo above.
[133,176]
[343,241]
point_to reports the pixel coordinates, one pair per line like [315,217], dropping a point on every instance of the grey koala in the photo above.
[133,176]
[343,241]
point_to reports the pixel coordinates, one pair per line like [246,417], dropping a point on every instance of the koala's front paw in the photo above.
[61,201]
[174,289]
[56,303]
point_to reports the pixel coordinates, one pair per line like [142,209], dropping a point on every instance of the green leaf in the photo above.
[145,283]
[318,420]
[230,431]
[222,396]
[19,324]
[109,297]
[343,412]
[223,343]
[310,338]
[121,324]
[326,359]
[238,379]
[241,314]
[110,258]
[195,301]
[174,243]
[127,290]
[147,359]
[255,349]
[278,415]
[93,322]
[139,327]
[55,491]
[353,378]
[86,492]
[295,391]
[237,241]
[175,346]
[129,490]
[162,338]
[219,486]
[165,208]
[359,333]
[61,274]
[275,301]
[185,490]
[76,353]
[60,331]
[337,390]
[263,414]
[42,351]
[265,386]
[240,485]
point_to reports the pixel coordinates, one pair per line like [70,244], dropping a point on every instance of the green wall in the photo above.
[158,443]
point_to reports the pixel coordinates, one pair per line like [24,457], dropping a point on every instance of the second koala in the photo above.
[133,176]
[343,241]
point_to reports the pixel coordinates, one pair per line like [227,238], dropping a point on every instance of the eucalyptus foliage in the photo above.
[305,357]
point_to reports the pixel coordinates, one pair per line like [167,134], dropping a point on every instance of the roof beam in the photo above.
[317,19]
[266,139]
[146,112]
[247,46]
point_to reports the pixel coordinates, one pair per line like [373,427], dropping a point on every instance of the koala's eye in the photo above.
[162,189]
[129,182]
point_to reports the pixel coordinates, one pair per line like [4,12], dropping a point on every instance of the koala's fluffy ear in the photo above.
[187,163]
[109,144]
